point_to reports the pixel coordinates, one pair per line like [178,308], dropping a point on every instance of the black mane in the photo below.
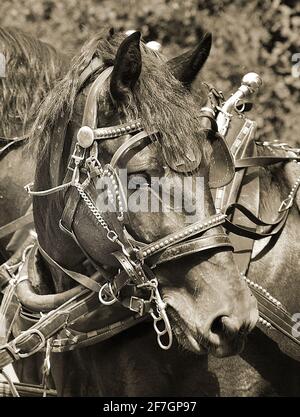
[161,101]
[31,68]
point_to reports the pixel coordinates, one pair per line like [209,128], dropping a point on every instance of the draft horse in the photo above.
[150,262]
[31,67]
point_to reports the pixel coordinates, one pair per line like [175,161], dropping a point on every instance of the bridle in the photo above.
[135,258]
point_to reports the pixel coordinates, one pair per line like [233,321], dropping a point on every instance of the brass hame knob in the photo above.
[252,80]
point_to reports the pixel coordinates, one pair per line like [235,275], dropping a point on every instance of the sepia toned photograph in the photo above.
[149,202]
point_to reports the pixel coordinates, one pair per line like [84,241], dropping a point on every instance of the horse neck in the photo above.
[277,269]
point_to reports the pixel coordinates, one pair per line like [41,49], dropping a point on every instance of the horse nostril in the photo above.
[225,326]
[217,325]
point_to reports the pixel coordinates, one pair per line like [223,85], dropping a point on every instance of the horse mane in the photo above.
[159,99]
[31,68]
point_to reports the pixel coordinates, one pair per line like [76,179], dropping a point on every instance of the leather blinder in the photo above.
[221,167]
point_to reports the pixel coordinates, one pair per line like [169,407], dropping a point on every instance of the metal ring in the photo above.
[110,301]
[243,105]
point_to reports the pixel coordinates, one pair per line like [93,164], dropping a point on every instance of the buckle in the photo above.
[15,351]
[286,204]
[76,158]
[108,298]
[137,305]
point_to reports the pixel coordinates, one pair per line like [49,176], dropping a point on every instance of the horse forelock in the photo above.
[161,101]
[31,66]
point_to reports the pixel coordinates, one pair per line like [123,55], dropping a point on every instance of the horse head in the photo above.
[156,134]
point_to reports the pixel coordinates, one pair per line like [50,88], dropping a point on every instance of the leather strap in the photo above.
[34,339]
[91,108]
[10,142]
[95,65]
[264,161]
[16,224]
[76,276]
[181,235]
[248,232]
[140,141]
[14,139]
[202,244]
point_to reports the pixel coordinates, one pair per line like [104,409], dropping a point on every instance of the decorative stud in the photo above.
[85,137]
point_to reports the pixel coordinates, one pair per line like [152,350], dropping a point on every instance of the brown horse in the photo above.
[210,307]
[31,69]
[263,369]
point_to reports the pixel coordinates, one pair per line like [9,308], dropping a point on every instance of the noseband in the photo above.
[136,259]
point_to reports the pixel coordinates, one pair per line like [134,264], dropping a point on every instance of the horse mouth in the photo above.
[184,336]
[199,344]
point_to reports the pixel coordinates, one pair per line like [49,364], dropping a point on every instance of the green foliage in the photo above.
[255,35]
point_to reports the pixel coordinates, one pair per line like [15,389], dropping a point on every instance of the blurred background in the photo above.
[248,35]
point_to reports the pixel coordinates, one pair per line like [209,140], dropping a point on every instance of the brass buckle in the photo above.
[16,351]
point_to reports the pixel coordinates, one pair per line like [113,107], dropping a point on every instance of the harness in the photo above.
[135,286]
[136,259]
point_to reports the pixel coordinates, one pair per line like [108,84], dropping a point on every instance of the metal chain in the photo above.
[111,235]
[96,212]
[46,367]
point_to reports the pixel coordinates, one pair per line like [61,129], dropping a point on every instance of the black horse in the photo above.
[210,307]
[31,67]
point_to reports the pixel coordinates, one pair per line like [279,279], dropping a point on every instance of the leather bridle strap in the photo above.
[183,234]
[94,65]
[140,140]
[214,243]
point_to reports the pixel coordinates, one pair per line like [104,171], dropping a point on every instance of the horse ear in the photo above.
[186,67]
[127,67]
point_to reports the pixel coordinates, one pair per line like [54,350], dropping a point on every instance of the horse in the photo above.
[31,67]
[265,367]
[211,308]
[252,373]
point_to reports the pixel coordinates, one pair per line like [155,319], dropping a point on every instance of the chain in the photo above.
[46,367]
[111,234]
[161,316]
